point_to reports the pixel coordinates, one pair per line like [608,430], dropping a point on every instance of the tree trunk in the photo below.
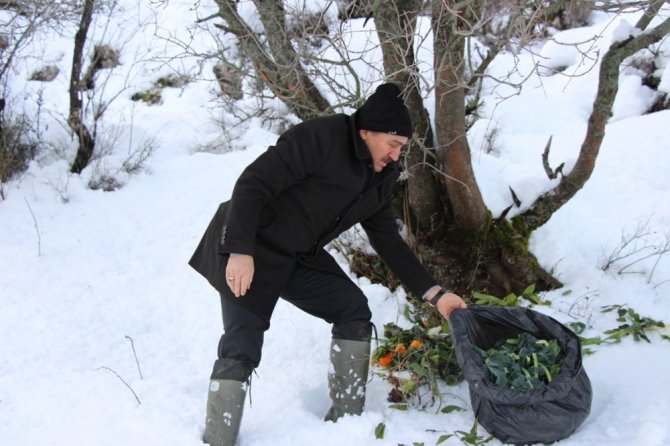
[75,118]
[453,150]
[396,22]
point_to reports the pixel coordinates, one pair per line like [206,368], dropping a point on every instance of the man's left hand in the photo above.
[448,303]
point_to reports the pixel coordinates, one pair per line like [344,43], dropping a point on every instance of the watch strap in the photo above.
[433,301]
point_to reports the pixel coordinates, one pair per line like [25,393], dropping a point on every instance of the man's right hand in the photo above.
[240,273]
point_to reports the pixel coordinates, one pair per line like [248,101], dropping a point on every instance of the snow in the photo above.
[91,277]
[623,31]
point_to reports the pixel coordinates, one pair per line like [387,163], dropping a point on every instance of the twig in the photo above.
[551,173]
[660,253]
[636,248]
[208,18]
[123,381]
[132,344]
[37,229]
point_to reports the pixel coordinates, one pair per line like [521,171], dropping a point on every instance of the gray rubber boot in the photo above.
[225,403]
[350,361]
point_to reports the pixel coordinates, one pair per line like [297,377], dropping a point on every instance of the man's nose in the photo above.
[394,155]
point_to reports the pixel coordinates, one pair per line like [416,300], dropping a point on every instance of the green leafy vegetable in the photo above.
[633,324]
[523,362]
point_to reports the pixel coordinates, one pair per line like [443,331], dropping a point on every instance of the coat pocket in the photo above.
[207,259]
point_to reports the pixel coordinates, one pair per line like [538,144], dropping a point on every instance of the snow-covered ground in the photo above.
[92,280]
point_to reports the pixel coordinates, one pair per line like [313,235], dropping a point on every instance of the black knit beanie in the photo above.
[385,111]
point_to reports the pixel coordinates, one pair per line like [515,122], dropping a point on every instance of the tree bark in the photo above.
[396,23]
[75,120]
[453,153]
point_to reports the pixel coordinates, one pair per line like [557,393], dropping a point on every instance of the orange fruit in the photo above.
[400,349]
[385,360]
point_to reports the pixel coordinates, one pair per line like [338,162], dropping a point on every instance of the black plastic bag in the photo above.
[542,415]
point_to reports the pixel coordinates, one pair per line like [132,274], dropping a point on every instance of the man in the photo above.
[322,177]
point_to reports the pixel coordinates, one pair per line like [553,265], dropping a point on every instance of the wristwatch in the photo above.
[433,301]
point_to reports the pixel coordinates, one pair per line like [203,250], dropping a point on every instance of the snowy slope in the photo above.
[89,275]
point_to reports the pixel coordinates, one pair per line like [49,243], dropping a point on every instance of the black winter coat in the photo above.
[314,184]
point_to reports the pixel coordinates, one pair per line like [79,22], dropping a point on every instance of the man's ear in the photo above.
[363,133]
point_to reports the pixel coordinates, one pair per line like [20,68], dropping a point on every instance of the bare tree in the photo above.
[90,98]
[89,94]
[275,59]
[25,19]
[451,227]
[75,121]
[21,23]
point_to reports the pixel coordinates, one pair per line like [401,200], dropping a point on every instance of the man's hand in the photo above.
[240,273]
[448,303]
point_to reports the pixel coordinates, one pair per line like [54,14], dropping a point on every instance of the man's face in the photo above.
[383,147]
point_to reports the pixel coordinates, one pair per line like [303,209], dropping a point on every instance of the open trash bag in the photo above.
[542,415]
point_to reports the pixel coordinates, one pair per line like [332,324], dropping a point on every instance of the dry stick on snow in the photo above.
[123,381]
[132,344]
[37,229]
[635,247]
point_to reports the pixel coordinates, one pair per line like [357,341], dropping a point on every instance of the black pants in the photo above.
[328,296]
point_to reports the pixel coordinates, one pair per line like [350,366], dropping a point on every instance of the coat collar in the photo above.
[360,148]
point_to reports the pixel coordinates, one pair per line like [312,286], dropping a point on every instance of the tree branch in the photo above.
[608,86]
[280,68]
